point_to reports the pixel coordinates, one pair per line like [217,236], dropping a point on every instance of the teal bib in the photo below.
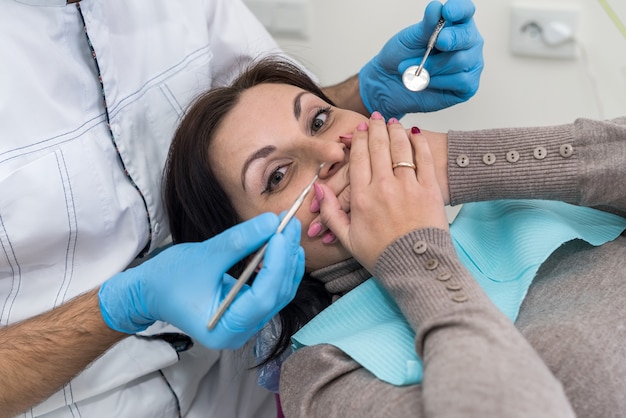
[501,243]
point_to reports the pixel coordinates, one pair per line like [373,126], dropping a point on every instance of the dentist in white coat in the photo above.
[90,93]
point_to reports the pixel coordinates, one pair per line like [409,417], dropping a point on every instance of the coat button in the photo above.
[420,247]
[453,286]
[442,277]
[489,158]
[540,153]
[462,160]
[512,156]
[566,150]
[432,264]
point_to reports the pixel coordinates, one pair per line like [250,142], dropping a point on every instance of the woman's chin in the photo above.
[319,255]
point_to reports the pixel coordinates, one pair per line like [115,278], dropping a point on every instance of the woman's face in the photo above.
[269,148]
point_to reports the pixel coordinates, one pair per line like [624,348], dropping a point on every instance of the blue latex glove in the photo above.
[455,64]
[184,284]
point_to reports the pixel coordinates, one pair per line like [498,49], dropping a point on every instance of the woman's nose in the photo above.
[333,154]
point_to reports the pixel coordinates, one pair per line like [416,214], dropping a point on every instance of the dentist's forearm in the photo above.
[346,95]
[39,355]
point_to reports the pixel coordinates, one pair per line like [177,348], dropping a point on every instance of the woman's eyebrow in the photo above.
[297,105]
[261,153]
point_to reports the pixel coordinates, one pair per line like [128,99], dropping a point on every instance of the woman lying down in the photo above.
[514,310]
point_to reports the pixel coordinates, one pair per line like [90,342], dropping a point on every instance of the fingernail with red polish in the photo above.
[314,229]
[361,126]
[392,121]
[376,115]
[329,238]
[415,130]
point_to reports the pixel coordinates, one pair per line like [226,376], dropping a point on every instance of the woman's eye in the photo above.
[320,119]
[273,181]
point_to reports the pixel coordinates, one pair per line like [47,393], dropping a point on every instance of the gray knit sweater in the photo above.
[566,353]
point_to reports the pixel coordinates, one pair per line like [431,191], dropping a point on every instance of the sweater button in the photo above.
[459,298]
[489,158]
[512,156]
[462,161]
[432,264]
[540,153]
[566,150]
[420,247]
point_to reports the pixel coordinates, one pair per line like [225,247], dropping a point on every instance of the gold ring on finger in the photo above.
[403,164]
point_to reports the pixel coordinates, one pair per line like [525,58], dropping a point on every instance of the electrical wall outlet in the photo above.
[544,31]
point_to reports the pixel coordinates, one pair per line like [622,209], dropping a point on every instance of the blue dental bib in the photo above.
[501,243]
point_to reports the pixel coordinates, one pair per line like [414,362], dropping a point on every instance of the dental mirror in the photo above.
[416,78]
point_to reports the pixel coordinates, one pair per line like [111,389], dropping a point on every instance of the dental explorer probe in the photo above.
[252,265]
[416,77]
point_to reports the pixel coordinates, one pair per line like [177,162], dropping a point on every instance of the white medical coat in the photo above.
[80,182]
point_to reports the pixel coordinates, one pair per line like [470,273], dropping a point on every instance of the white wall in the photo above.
[514,91]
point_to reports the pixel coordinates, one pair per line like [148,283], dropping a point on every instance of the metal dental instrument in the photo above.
[416,78]
[252,265]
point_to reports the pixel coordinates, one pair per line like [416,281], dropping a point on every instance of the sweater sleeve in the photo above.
[580,163]
[476,363]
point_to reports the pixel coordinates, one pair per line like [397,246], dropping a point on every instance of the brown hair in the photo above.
[198,207]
